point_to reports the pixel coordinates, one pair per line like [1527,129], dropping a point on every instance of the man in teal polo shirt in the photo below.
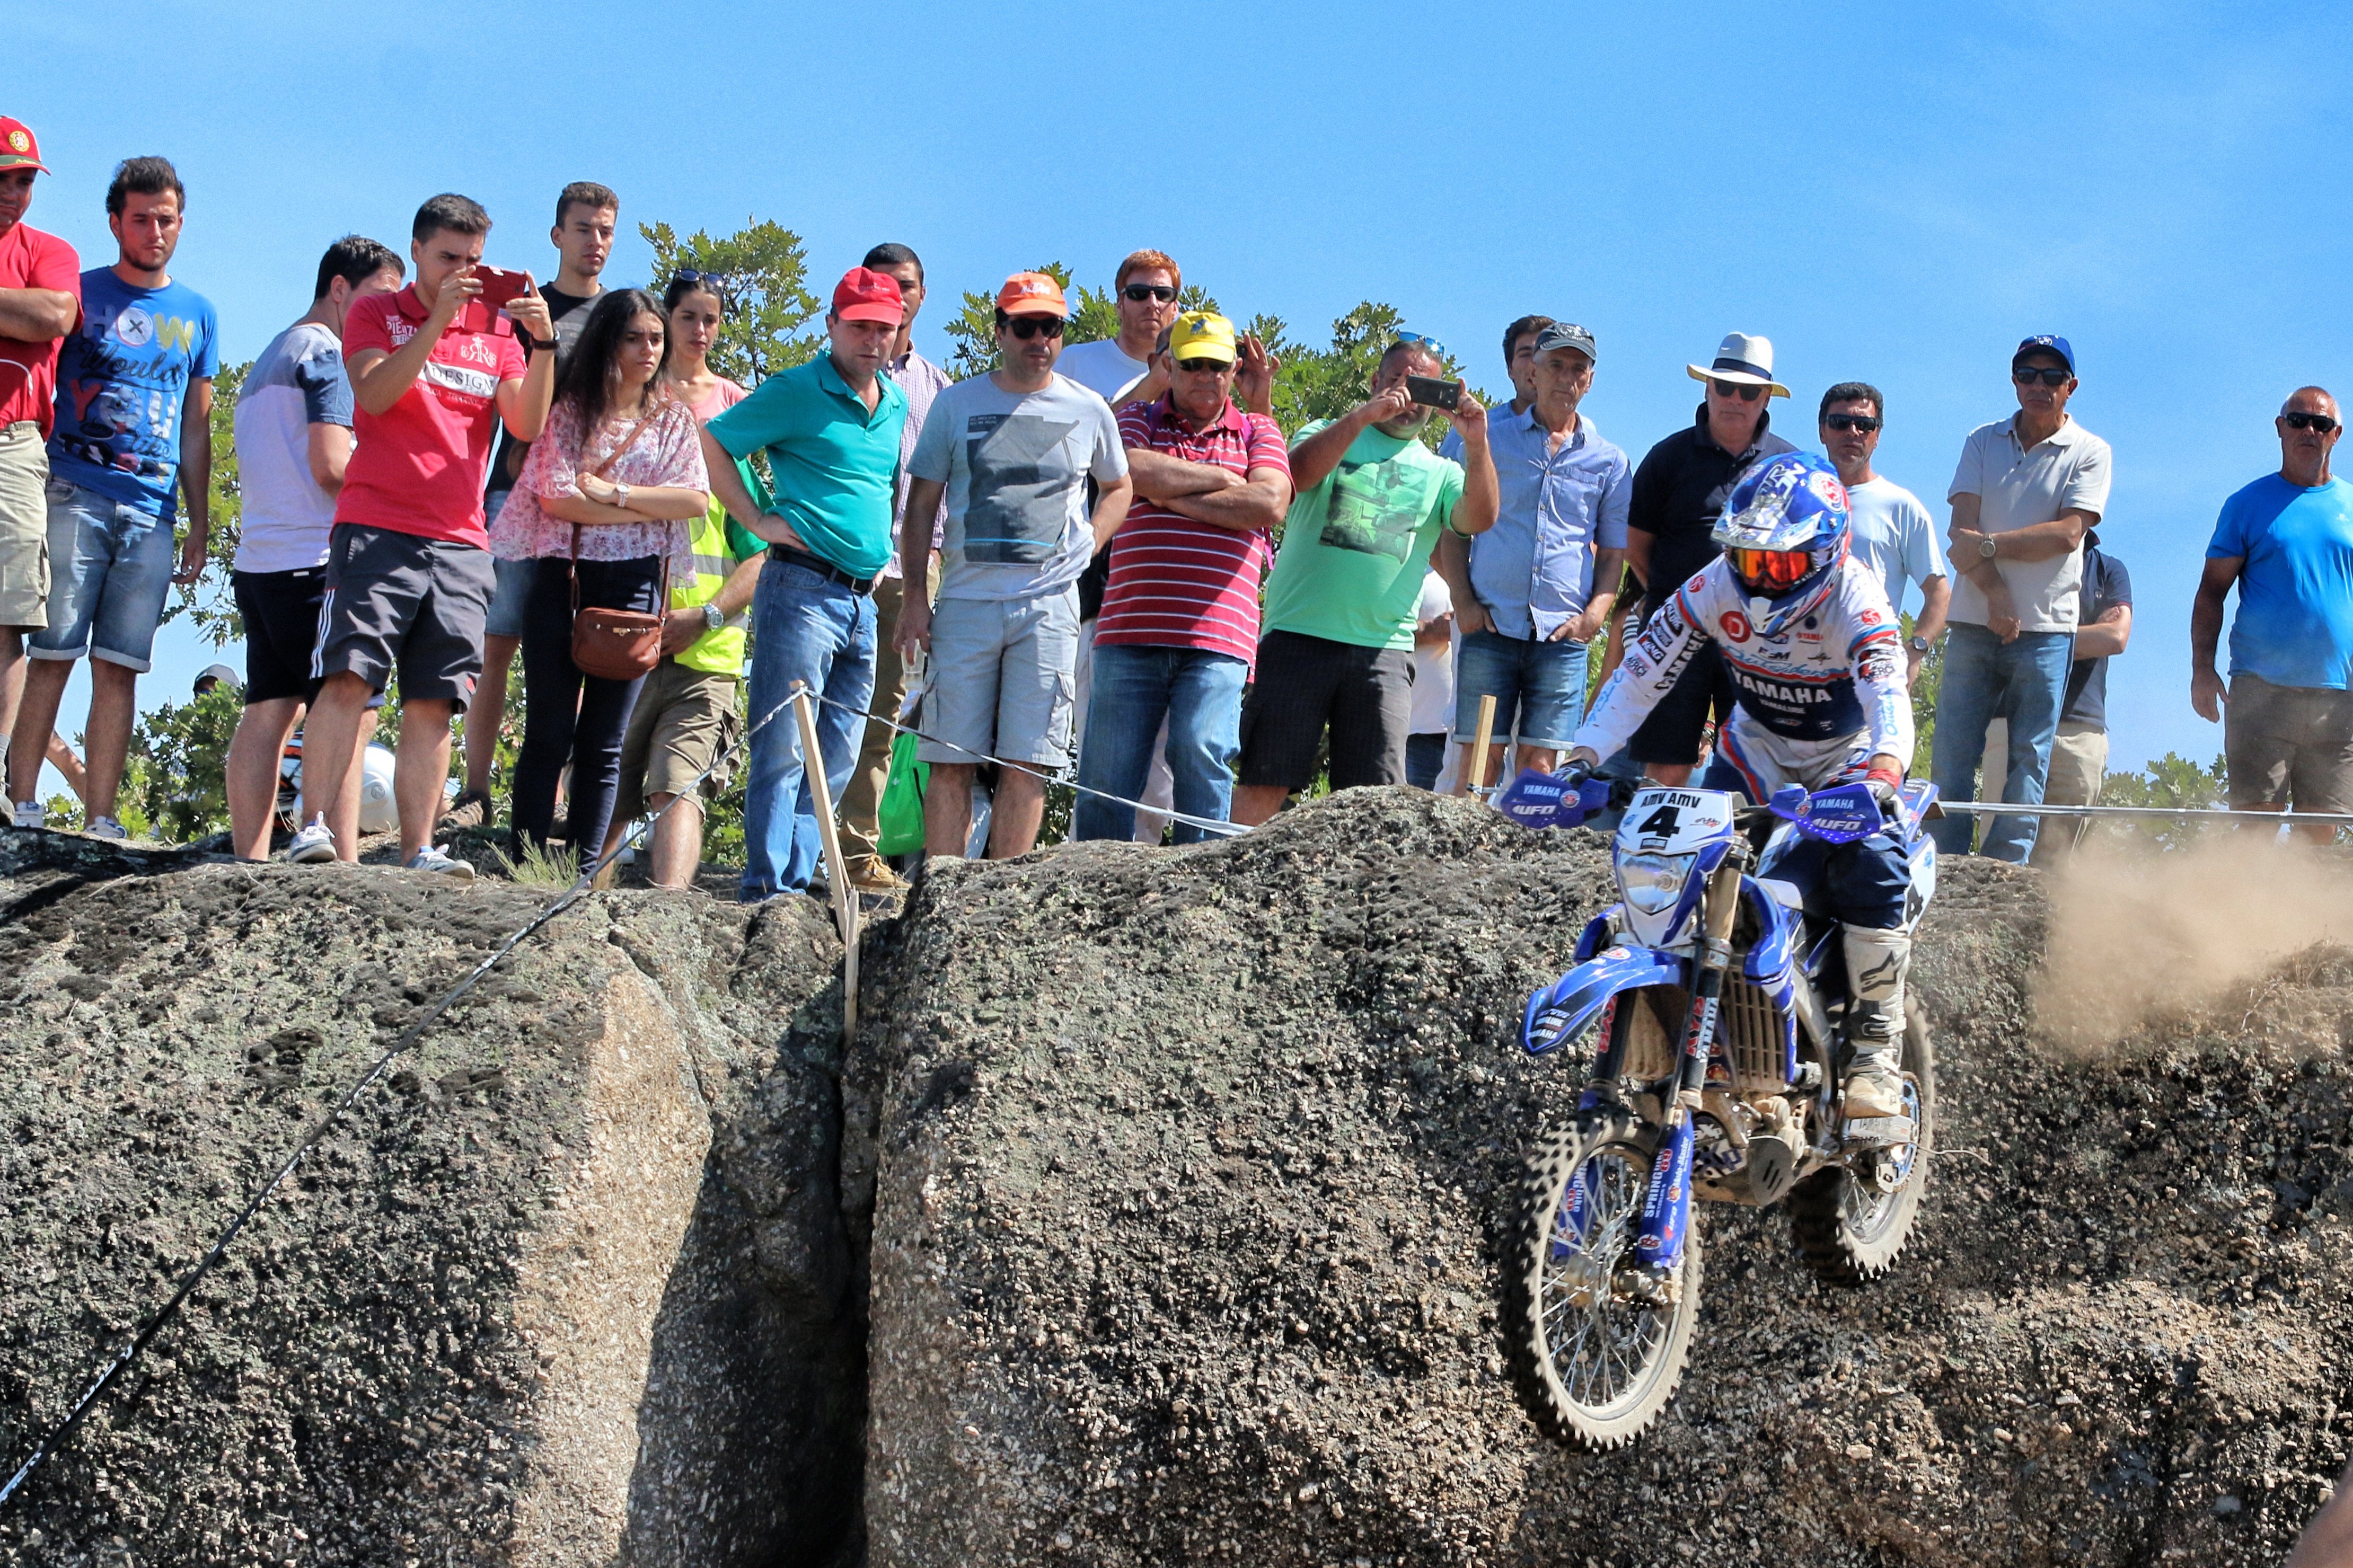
[831,428]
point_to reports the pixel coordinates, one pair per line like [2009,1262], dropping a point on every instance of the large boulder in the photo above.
[1190,1172]
[570,1286]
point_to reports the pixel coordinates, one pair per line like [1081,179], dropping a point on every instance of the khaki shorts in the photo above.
[2288,745]
[24,528]
[683,718]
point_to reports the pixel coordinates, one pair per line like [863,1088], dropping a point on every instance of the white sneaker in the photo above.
[106,827]
[315,844]
[433,859]
[30,813]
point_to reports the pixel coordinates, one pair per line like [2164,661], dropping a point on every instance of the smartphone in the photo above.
[1433,392]
[500,286]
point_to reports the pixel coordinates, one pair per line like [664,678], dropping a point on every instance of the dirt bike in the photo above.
[1716,1011]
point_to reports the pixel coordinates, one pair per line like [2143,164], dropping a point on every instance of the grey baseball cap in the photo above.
[1567,335]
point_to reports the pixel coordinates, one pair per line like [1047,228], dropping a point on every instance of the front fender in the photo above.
[1567,1007]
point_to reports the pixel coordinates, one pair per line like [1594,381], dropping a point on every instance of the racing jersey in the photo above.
[1815,702]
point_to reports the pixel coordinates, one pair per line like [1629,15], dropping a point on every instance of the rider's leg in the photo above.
[1865,885]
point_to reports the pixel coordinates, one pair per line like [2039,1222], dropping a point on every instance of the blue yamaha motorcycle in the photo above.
[1711,1011]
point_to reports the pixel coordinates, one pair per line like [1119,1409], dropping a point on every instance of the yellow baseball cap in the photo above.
[1201,334]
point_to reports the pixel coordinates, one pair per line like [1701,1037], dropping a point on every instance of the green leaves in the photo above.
[772,322]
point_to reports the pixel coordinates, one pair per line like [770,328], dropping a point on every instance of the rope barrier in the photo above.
[2003,808]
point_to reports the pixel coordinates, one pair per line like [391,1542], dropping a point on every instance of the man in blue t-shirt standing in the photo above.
[135,401]
[2287,540]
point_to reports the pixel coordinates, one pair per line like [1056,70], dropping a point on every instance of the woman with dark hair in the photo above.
[695,307]
[603,500]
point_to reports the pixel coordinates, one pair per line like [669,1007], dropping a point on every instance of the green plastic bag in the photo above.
[898,816]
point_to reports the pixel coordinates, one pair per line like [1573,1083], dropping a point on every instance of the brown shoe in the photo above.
[471,809]
[872,874]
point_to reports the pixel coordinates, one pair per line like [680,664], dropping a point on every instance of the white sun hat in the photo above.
[1744,361]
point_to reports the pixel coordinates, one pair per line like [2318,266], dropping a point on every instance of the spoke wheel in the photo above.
[1593,1367]
[1849,1231]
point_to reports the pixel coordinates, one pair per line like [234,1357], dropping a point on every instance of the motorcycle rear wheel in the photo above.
[1595,1370]
[1847,1234]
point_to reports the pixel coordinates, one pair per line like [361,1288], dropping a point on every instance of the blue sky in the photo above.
[1896,194]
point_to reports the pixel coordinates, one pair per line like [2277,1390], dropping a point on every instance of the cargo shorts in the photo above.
[1002,678]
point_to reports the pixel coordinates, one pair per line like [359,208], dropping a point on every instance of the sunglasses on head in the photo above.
[1028,327]
[1424,340]
[1740,390]
[714,281]
[1863,422]
[1140,292]
[1770,571]
[2299,420]
[1198,365]
[2028,374]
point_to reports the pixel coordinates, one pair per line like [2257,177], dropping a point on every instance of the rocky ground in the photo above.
[1174,1183]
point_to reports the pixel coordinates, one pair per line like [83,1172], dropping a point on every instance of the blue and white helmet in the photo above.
[1783,530]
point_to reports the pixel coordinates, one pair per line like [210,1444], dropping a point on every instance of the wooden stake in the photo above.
[845,896]
[1487,740]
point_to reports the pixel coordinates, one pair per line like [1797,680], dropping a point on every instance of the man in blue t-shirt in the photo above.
[134,402]
[2287,540]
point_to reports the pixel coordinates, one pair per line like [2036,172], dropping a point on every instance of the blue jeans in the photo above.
[1201,694]
[1985,678]
[807,629]
[1539,687]
[111,568]
[1425,758]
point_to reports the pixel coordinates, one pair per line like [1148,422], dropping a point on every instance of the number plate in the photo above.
[1670,821]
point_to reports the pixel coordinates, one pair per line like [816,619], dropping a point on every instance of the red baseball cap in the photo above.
[19,150]
[865,295]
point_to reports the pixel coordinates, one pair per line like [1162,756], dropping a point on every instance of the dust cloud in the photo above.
[2138,935]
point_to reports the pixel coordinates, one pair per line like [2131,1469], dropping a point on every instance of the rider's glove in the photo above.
[1882,785]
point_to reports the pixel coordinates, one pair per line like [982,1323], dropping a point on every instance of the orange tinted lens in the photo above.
[1772,569]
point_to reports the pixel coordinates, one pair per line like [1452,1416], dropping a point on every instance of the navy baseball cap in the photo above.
[2046,343]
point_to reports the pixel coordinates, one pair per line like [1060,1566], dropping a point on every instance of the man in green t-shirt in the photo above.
[1344,599]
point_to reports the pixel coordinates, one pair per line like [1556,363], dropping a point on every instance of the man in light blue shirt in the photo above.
[1893,534]
[1524,591]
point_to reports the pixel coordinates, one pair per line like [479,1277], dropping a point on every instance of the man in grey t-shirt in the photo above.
[1012,452]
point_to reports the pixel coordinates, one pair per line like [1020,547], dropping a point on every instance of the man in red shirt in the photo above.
[41,298]
[434,374]
[1178,627]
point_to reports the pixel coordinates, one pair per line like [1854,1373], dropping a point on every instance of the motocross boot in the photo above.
[1876,963]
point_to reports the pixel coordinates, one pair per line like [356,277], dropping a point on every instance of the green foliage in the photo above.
[770,321]
[208,602]
[175,788]
[2173,783]
[539,868]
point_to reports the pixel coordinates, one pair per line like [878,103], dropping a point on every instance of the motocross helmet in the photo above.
[1783,530]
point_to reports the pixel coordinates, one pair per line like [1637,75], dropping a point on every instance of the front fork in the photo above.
[1666,1209]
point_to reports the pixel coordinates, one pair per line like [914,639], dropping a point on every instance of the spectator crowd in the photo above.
[1105,561]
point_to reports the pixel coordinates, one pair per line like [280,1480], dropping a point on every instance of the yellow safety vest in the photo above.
[718,652]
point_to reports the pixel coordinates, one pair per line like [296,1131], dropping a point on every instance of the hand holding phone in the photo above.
[1433,392]
[501,286]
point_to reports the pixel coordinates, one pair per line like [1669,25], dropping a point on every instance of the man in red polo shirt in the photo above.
[434,374]
[1180,622]
[40,300]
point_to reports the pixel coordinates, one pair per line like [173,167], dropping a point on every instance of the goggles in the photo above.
[1770,572]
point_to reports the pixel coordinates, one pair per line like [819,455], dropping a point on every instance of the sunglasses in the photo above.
[1028,327]
[2027,375]
[1425,339]
[1140,292]
[1770,571]
[1740,390]
[2302,421]
[714,281]
[1863,422]
[1198,365]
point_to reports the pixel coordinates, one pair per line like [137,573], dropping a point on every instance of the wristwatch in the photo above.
[712,619]
[1918,644]
[621,495]
[1984,548]
[539,345]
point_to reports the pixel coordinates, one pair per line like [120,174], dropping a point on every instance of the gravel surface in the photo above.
[1192,1170]
[572,1284]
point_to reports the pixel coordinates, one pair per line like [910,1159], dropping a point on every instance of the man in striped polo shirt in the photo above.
[1178,628]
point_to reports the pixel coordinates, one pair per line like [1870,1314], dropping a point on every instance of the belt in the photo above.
[822,567]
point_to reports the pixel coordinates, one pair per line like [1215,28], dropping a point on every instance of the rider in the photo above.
[1815,657]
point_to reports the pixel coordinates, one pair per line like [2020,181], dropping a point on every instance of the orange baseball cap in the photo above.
[1033,294]
[19,150]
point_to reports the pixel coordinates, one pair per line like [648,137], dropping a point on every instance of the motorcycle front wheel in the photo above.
[1594,1364]
[1850,1232]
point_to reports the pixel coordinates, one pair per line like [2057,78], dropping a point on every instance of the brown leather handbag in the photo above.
[616,645]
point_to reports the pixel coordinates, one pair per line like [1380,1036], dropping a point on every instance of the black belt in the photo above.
[822,567]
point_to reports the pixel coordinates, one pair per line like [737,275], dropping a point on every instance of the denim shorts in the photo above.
[1002,678]
[505,616]
[1541,685]
[111,569]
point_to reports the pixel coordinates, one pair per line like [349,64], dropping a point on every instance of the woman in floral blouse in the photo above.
[619,467]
